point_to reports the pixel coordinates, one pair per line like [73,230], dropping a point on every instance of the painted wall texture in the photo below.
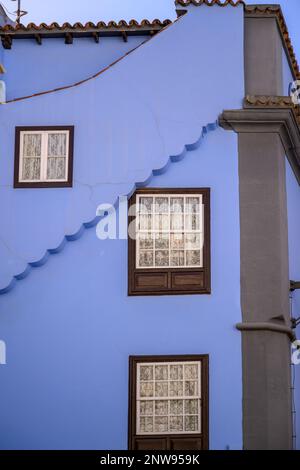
[293,199]
[69,326]
[128,122]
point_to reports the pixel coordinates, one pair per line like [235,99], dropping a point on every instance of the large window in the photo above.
[170,250]
[43,157]
[168,402]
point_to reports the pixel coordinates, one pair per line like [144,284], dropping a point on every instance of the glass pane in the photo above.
[161,389]
[162,258]
[145,205]
[161,407]
[191,371]
[56,168]
[145,222]
[176,222]
[192,241]
[191,389]
[161,222]
[176,372]
[192,204]
[177,258]
[191,423]
[192,222]
[176,389]
[193,258]
[145,241]
[161,372]
[161,424]
[146,259]
[31,169]
[146,372]
[162,240]
[146,408]
[57,145]
[191,407]
[176,423]
[32,145]
[146,424]
[146,389]
[177,241]
[161,205]
[176,407]
[177,204]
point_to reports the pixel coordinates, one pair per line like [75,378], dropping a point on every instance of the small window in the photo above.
[170,250]
[43,157]
[168,402]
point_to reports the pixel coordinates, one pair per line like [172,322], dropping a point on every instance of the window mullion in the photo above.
[44,156]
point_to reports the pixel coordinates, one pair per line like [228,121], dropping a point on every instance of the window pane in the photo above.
[161,372]
[177,241]
[161,205]
[146,259]
[161,222]
[146,389]
[32,145]
[145,241]
[161,389]
[191,407]
[56,168]
[162,240]
[177,204]
[177,258]
[191,423]
[191,371]
[146,372]
[192,241]
[146,408]
[146,424]
[161,407]
[146,222]
[161,424]
[162,258]
[176,372]
[176,221]
[145,205]
[176,407]
[192,222]
[191,389]
[193,258]
[176,423]
[176,389]
[192,205]
[31,169]
[57,145]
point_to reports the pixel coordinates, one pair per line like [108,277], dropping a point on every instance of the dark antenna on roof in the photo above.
[19,12]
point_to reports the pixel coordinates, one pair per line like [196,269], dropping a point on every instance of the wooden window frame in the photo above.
[170,441]
[175,280]
[43,184]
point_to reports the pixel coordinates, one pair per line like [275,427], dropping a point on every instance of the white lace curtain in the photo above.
[34,155]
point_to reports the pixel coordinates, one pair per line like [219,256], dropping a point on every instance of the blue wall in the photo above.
[293,195]
[70,327]
[31,68]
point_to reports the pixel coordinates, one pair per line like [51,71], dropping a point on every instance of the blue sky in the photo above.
[94,10]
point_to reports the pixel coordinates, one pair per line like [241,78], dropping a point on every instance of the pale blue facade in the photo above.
[151,120]
[68,323]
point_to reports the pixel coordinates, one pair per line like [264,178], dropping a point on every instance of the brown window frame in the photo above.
[169,441]
[43,184]
[170,281]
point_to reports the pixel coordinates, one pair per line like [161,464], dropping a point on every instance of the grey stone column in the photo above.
[267,419]
[265,137]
